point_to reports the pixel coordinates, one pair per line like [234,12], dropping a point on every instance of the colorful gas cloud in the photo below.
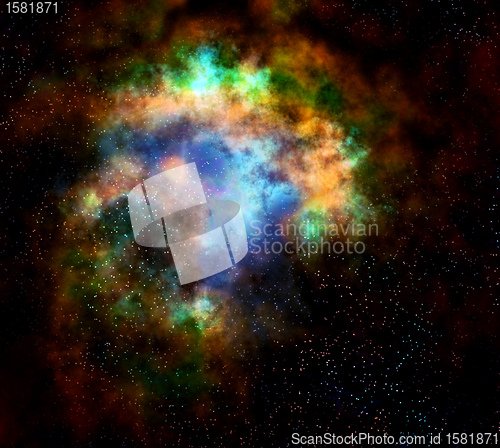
[281,133]
[295,129]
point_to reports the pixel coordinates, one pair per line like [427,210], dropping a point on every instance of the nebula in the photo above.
[302,123]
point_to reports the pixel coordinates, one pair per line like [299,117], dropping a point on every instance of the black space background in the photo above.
[465,96]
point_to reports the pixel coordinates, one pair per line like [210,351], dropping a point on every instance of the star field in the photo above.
[326,113]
